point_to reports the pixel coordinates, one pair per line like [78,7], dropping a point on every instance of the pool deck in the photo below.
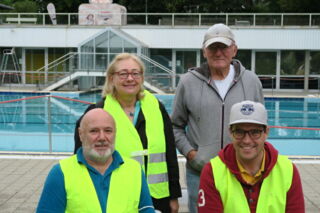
[22,178]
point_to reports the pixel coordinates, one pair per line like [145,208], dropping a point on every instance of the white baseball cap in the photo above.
[248,112]
[218,33]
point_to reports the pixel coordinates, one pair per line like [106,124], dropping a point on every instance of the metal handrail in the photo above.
[249,19]
[57,61]
[156,63]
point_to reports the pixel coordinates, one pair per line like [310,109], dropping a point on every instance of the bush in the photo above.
[26,6]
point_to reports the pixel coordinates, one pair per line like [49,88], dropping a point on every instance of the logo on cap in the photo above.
[247,109]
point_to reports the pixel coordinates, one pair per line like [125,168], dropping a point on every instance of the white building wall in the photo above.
[160,37]
[44,36]
[247,38]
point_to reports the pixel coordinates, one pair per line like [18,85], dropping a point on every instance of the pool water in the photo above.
[47,123]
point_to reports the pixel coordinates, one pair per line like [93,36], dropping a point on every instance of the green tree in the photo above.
[62,6]
[26,6]
[297,6]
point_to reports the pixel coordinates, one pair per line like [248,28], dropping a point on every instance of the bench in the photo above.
[242,22]
[21,20]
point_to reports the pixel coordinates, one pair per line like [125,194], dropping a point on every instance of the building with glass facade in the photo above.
[285,54]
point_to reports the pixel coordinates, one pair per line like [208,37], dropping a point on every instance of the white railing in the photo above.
[177,19]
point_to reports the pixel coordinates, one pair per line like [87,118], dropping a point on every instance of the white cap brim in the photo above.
[250,121]
[223,40]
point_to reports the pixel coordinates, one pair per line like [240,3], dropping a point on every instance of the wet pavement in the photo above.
[22,178]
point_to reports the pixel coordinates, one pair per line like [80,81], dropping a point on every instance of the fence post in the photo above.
[172,23]
[49,124]
[272,78]
[318,87]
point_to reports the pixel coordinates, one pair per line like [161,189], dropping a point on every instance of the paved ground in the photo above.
[21,182]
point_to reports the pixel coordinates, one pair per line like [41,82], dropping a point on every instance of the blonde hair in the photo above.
[108,87]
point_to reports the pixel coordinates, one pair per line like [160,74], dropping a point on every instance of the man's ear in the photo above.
[230,131]
[204,52]
[235,50]
[267,130]
[80,134]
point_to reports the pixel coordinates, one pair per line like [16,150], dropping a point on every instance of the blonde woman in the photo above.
[144,130]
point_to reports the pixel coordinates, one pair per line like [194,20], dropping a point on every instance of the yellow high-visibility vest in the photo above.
[128,142]
[123,196]
[273,192]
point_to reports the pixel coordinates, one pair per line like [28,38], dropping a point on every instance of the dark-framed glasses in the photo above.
[253,133]
[125,75]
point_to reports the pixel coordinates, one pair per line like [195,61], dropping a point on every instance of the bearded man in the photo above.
[96,178]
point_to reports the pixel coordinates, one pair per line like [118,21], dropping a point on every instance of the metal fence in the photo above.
[176,19]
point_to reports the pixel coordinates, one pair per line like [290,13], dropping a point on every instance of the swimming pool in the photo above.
[43,123]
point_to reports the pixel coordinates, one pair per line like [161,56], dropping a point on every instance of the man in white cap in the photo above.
[203,100]
[249,175]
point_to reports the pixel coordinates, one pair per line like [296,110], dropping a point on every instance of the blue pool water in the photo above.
[24,124]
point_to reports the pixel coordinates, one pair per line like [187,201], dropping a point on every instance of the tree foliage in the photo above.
[62,6]
[222,6]
[298,6]
[26,6]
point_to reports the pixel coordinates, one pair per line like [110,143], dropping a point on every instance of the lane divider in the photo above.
[292,127]
[44,96]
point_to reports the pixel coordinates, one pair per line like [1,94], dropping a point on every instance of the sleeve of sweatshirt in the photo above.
[260,96]
[179,120]
[295,200]
[208,196]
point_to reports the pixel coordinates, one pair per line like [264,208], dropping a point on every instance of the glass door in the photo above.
[35,59]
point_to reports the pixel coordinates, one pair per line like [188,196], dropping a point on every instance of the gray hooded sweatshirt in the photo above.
[200,116]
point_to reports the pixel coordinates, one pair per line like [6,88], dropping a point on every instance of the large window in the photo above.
[87,55]
[65,65]
[162,56]
[102,49]
[244,56]
[156,75]
[314,78]
[292,69]
[60,62]
[97,53]
[185,60]
[266,66]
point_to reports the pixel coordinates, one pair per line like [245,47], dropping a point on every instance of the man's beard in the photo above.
[97,157]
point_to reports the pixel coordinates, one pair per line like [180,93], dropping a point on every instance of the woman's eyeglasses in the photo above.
[124,75]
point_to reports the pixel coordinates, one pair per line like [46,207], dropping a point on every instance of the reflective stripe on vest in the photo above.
[123,196]
[128,141]
[273,192]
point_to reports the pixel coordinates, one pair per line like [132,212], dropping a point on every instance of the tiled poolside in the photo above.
[22,178]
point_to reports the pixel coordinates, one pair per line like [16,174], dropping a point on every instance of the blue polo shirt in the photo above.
[53,197]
